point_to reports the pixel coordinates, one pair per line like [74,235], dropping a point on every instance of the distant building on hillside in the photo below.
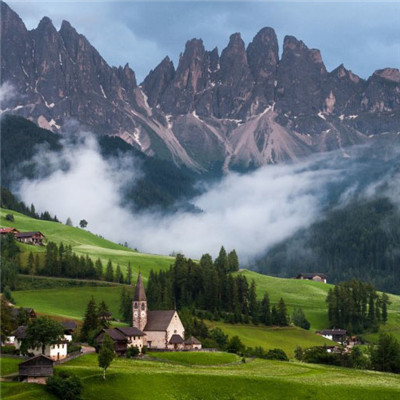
[30,312]
[313,276]
[35,238]
[36,369]
[337,335]
[69,329]
[6,231]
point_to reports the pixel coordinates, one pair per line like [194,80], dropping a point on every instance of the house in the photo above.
[35,238]
[192,344]
[123,338]
[69,329]
[56,351]
[6,231]
[159,326]
[312,276]
[337,335]
[36,369]
[30,312]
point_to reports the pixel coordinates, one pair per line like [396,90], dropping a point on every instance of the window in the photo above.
[143,306]
[136,305]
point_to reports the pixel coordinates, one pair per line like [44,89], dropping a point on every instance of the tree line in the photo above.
[356,307]
[211,286]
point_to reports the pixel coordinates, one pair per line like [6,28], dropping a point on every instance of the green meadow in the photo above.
[86,243]
[196,357]
[256,379]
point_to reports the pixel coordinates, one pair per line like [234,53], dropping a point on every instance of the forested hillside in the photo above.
[359,241]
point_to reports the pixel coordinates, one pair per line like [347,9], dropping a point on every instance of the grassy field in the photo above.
[8,365]
[70,302]
[84,242]
[285,338]
[197,358]
[310,296]
[258,379]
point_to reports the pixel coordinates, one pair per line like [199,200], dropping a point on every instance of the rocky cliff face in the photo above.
[239,109]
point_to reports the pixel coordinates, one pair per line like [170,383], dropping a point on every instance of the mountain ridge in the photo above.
[239,109]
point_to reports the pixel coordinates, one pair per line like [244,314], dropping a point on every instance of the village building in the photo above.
[313,276]
[123,338]
[337,335]
[69,329]
[192,344]
[55,351]
[35,238]
[36,369]
[6,231]
[30,312]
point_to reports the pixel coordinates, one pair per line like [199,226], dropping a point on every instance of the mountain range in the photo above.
[238,109]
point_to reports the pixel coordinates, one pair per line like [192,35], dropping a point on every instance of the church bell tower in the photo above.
[139,305]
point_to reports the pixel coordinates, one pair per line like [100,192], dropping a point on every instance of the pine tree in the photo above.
[274,316]
[221,262]
[109,277]
[37,263]
[90,321]
[385,301]
[282,313]
[266,310]
[31,264]
[118,275]
[99,269]
[69,222]
[125,307]
[253,305]
[129,275]
[233,261]
[103,314]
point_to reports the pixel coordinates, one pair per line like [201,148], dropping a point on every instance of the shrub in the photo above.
[65,386]
[73,348]
[235,345]
[276,354]
[298,353]
[132,352]
[8,350]
[10,217]
[144,350]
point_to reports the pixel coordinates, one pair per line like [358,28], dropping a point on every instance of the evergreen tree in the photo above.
[69,222]
[99,269]
[103,314]
[118,275]
[299,319]
[233,261]
[282,313]
[31,264]
[37,264]
[386,355]
[129,275]
[253,305]
[6,319]
[90,321]
[221,262]
[274,316]
[266,310]
[106,354]
[109,277]
[125,307]
[385,301]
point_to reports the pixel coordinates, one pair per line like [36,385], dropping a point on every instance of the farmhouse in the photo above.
[337,335]
[35,238]
[69,329]
[312,276]
[36,369]
[6,231]
[192,344]
[56,351]
[123,338]
[30,312]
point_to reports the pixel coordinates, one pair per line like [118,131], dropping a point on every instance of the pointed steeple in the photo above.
[140,294]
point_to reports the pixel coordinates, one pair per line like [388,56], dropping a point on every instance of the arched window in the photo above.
[143,306]
[136,306]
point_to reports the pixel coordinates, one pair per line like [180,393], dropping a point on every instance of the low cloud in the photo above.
[249,213]
[7,93]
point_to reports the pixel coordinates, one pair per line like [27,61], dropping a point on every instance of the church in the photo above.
[158,330]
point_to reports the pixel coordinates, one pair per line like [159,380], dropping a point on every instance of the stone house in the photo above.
[313,276]
[123,338]
[192,344]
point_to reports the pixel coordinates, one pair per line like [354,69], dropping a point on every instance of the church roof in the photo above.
[176,339]
[158,320]
[140,294]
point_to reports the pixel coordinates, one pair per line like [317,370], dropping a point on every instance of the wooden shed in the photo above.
[36,369]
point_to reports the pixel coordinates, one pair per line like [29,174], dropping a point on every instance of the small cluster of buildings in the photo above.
[55,351]
[35,238]
[313,276]
[156,330]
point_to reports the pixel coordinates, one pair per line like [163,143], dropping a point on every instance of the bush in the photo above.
[65,386]
[132,352]
[235,345]
[298,353]
[8,350]
[276,354]
[10,217]
[144,350]
[72,348]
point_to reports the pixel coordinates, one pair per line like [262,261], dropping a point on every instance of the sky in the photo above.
[363,35]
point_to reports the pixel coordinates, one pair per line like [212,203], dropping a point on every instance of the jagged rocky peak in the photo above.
[213,58]
[390,74]
[343,73]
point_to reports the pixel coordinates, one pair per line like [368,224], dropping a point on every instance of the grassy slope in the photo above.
[84,242]
[197,358]
[257,379]
[310,296]
[8,365]
[287,338]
